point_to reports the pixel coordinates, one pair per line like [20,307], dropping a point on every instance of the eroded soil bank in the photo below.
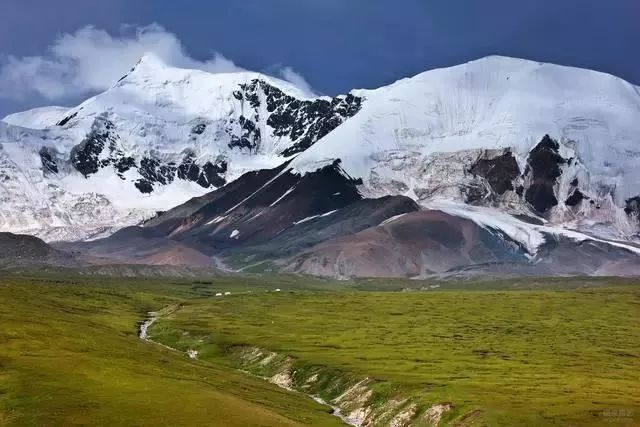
[356,401]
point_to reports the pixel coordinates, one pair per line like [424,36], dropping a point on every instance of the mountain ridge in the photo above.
[529,152]
[147,136]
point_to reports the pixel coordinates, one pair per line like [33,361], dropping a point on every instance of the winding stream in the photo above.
[144,327]
[153,316]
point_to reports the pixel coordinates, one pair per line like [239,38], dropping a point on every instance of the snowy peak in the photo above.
[158,137]
[423,137]
[150,67]
[149,64]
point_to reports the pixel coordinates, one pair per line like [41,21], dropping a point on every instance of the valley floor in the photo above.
[549,352]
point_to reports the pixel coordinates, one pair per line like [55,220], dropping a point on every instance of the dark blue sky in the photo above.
[338,45]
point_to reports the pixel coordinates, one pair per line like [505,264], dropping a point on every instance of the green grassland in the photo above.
[70,355]
[515,352]
[546,355]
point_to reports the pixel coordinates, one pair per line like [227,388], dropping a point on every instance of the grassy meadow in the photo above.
[70,355]
[508,357]
[549,352]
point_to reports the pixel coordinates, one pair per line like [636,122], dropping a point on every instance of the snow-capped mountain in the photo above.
[158,137]
[475,134]
[546,146]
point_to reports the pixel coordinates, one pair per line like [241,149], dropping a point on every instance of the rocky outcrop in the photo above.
[543,169]
[302,121]
[632,207]
[87,157]
[499,172]
[575,198]
[102,148]
[48,160]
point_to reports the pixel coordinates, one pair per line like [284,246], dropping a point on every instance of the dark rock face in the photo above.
[543,169]
[188,170]
[260,205]
[304,122]
[499,172]
[633,207]
[209,175]
[250,137]
[85,156]
[199,129]
[101,149]
[575,198]
[66,120]
[313,193]
[48,160]
[123,164]
[541,197]
[153,171]
[144,186]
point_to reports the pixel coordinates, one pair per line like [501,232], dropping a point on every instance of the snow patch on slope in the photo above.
[524,233]
[530,236]
[309,218]
[37,118]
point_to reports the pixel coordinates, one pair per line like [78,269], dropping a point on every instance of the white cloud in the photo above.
[92,60]
[292,76]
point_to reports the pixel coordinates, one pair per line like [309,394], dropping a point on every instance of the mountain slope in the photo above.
[318,223]
[158,137]
[27,251]
[437,135]
[37,118]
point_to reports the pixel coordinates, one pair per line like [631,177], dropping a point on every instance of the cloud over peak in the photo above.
[295,78]
[91,60]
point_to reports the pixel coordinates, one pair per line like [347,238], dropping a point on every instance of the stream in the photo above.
[152,317]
